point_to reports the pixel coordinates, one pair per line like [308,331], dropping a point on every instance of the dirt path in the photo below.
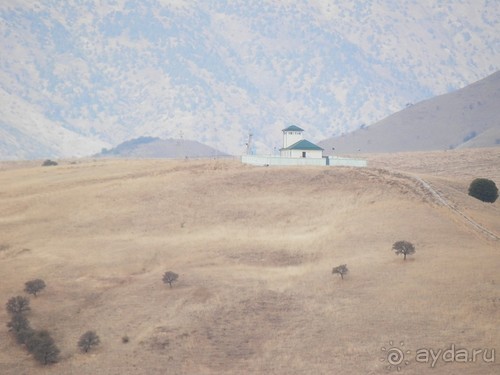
[416,184]
[440,199]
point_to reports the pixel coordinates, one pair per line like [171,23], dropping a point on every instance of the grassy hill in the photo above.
[254,248]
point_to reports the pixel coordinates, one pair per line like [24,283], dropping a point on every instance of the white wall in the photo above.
[285,153]
[279,160]
[276,160]
[291,137]
[310,154]
[314,154]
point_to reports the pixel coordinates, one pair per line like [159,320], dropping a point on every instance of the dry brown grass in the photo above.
[254,248]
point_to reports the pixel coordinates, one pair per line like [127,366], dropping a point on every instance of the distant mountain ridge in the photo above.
[154,147]
[76,77]
[469,117]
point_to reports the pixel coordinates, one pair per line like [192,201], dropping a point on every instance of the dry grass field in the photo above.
[254,248]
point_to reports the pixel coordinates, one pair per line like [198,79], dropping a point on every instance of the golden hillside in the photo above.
[254,248]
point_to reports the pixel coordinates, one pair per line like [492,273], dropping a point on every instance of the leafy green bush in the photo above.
[484,190]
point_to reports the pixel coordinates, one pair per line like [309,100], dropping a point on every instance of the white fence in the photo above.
[265,160]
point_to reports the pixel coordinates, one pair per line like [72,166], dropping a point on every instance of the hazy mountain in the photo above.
[465,118]
[152,147]
[79,76]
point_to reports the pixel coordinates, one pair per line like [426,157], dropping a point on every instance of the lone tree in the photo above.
[341,270]
[169,277]
[88,340]
[403,247]
[34,286]
[484,190]
[18,305]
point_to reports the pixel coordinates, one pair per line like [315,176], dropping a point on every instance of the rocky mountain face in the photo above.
[76,77]
[468,117]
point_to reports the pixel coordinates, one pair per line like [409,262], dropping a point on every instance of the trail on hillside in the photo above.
[417,184]
[440,199]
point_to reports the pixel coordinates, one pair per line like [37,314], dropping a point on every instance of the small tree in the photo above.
[169,277]
[34,286]
[88,340]
[43,347]
[17,323]
[35,339]
[341,270]
[403,247]
[18,305]
[484,190]
[47,353]
[23,335]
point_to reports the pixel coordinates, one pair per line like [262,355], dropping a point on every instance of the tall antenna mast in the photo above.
[249,143]
[181,145]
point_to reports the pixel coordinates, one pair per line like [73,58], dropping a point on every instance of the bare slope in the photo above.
[465,118]
[254,248]
[152,147]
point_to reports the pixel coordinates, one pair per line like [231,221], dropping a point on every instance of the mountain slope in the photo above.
[465,118]
[151,147]
[26,133]
[216,70]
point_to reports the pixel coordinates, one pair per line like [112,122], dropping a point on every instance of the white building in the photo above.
[299,151]
[294,146]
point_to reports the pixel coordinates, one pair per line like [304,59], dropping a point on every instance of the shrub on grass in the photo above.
[484,190]
[24,335]
[43,347]
[88,340]
[341,270]
[18,305]
[17,323]
[34,286]
[169,277]
[48,163]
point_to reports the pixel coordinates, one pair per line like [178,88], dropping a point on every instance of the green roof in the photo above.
[303,145]
[293,128]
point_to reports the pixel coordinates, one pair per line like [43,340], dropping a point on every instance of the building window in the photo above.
[303,154]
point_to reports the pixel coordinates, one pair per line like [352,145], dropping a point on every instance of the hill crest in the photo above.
[154,147]
[468,117]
